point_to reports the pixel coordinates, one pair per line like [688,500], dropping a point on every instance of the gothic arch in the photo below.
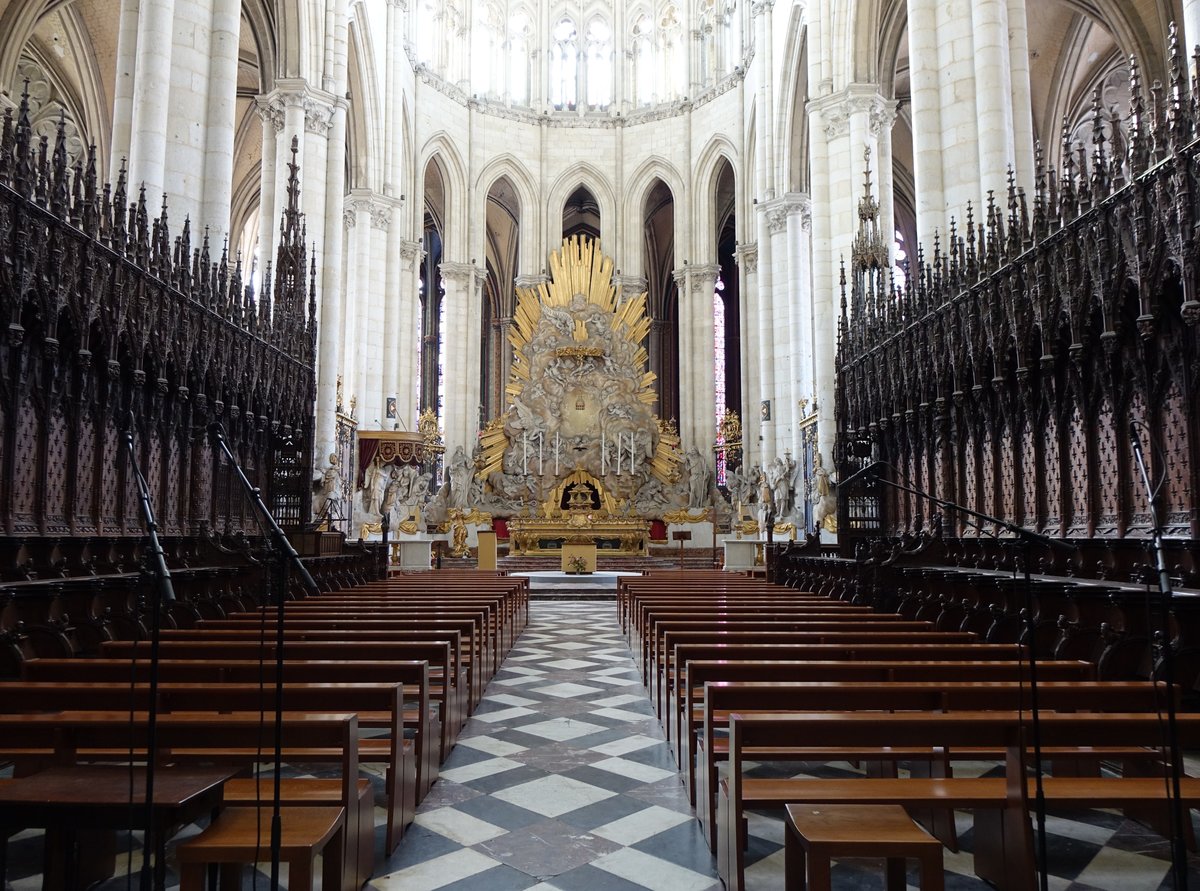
[531,252]
[704,210]
[260,17]
[568,181]
[440,149]
[364,155]
[645,178]
[792,101]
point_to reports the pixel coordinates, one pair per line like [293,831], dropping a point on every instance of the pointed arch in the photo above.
[637,189]
[704,221]
[532,254]
[440,148]
[594,181]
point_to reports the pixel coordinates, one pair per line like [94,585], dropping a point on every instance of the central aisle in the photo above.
[561,779]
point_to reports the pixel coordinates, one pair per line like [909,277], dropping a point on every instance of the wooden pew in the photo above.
[413,675]
[377,705]
[700,672]
[723,698]
[848,634]
[447,681]
[482,649]
[239,740]
[460,632]
[844,652]
[1003,839]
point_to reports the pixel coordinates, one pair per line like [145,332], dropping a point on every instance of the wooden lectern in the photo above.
[487,550]
[681,535]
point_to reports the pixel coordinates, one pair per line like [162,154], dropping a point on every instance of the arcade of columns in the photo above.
[970,118]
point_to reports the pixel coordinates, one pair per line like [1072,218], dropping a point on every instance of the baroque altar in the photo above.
[579,455]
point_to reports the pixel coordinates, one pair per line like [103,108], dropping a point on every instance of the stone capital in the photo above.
[411,252]
[463,275]
[746,256]
[270,111]
[531,281]
[836,110]
[704,276]
[628,286]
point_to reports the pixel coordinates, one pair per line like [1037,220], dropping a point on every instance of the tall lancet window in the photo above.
[564,64]
[670,53]
[430,40]
[520,42]
[599,71]
[641,49]
[487,61]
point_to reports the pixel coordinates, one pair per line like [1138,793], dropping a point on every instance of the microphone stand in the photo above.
[281,554]
[1027,538]
[1176,812]
[154,564]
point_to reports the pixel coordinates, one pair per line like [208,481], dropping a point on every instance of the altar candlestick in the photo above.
[620,437]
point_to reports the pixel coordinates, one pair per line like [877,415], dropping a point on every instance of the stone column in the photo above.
[1022,100]
[221,115]
[409,348]
[993,96]
[1191,29]
[843,125]
[703,376]
[926,119]
[746,256]
[686,309]
[772,346]
[357,221]
[462,393]
[270,113]
[395,339]
[151,97]
[799,271]
[123,88]
[373,311]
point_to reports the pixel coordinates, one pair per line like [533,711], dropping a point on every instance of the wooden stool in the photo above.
[234,839]
[817,833]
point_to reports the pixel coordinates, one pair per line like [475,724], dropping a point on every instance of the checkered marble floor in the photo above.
[561,778]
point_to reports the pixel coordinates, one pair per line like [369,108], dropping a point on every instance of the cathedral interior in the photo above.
[895,303]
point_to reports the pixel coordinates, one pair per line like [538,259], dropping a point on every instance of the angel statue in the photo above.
[824,492]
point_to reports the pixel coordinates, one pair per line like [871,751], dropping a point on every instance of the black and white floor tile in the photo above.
[561,781]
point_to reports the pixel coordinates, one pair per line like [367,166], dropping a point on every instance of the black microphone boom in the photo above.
[278,537]
[870,472]
[1176,812]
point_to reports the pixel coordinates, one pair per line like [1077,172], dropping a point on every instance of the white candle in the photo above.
[525,452]
[541,442]
[602,454]
[557,446]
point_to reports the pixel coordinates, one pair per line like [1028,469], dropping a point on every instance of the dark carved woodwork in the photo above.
[1004,372]
[110,322]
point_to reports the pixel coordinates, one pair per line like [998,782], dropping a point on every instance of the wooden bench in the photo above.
[849,637]
[419,715]
[240,835]
[669,687]
[815,835]
[480,646]
[721,699]
[698,672]
[377,705]
[1003,839]
[239,739]
[447,681]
